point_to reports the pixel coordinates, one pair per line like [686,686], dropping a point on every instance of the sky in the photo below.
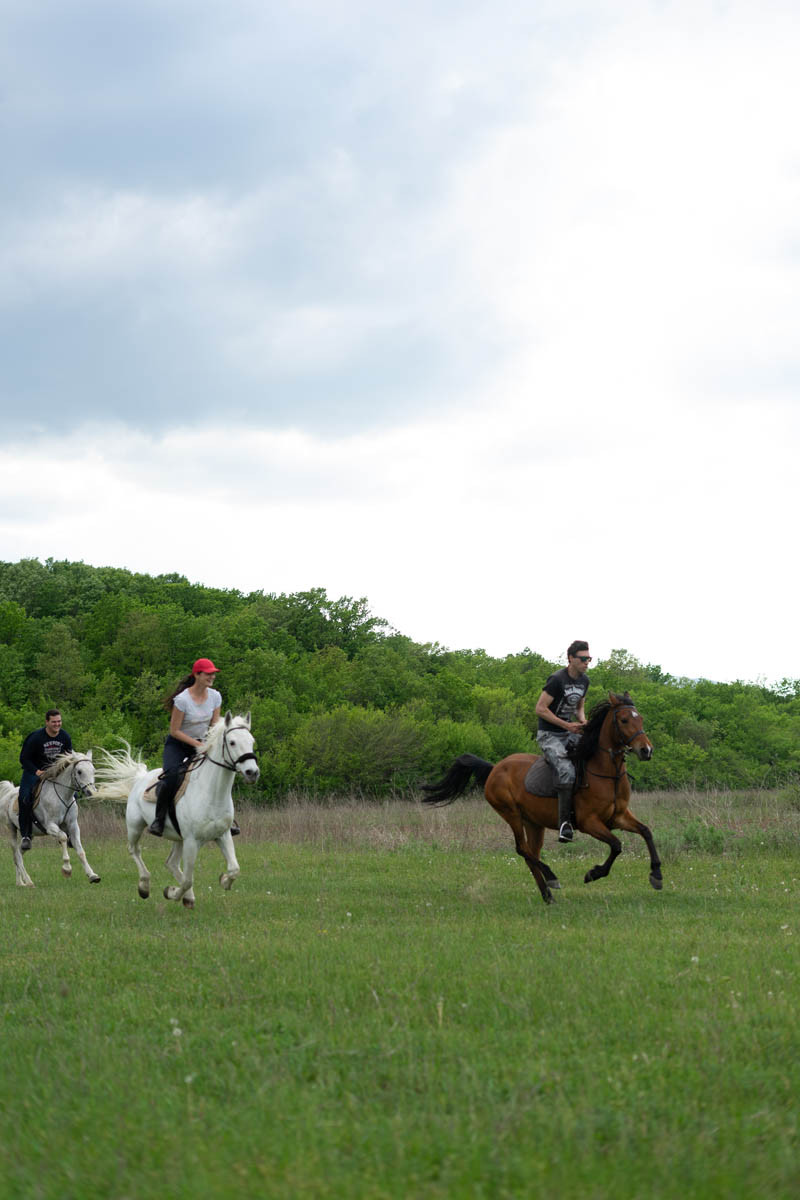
[486,312]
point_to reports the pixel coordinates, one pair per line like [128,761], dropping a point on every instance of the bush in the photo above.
[706,838]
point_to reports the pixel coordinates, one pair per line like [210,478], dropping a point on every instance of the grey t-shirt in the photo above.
[197,717]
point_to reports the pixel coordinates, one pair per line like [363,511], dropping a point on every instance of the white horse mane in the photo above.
[61,763]
[216,731]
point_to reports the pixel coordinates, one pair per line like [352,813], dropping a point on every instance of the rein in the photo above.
[621,750]
[233,763]
[70,788]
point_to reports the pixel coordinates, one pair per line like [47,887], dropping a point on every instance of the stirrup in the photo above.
[566,832]
[157,828]
[25,844]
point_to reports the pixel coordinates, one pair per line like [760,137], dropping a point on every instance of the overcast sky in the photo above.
[485,311]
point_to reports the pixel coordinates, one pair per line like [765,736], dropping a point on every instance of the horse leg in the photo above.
[231,873]
[23,878]
[525,847]
[74,832]
[184,890]
[135,830]
[54,831]
[535,837]
[596,829]
[173,865]
[629,823]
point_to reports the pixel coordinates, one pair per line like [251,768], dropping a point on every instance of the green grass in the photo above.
[383,1007]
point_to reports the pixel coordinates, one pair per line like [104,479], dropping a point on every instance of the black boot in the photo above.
[162,808]
[26,822]
[235,830]
[565,815]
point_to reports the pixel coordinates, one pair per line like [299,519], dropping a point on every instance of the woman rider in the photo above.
[193,707]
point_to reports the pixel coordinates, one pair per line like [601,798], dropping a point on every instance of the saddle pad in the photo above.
[15,803]
[184,783]
[539,779]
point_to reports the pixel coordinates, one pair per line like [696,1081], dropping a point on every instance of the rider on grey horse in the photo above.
[561,717]
[39,750]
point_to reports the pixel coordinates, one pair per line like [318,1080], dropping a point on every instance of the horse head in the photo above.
[238,746]
[628,726]
[83,775]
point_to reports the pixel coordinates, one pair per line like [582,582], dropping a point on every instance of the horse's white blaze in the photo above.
[204,812]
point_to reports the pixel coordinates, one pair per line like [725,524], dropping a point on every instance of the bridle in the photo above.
[232,762]
[624,742]
[619,752]
[70,788]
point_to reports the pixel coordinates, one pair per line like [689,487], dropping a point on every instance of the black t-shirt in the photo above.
[567,694]
[39,749]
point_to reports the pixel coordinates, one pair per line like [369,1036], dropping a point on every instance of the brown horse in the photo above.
[602,791]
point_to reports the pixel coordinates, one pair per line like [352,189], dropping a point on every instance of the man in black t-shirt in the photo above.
[561,717]
[39,750]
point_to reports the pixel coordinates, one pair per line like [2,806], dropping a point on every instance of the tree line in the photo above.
[340,702]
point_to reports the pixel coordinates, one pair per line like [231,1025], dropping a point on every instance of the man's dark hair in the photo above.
[576,648]
[52,712]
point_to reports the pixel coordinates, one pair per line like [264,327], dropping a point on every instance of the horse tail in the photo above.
[116,773]
[457,780]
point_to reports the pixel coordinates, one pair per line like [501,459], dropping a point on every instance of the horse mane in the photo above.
[61,763]
[587,747]
[215,732]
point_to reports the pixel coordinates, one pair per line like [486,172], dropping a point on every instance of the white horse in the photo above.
[56,810]
[204,811]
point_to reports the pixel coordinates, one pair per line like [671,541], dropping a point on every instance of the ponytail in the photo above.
[169,700]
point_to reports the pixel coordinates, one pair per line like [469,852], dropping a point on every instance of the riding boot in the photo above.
[164,793]
[565,815]
[26,822]
[235,830]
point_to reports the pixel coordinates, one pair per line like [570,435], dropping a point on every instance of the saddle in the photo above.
[34,797]
[182,786]
[539,779]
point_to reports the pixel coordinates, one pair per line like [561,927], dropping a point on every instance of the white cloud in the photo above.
[591,214]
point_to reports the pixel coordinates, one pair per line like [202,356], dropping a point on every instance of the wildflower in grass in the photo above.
[177,1031]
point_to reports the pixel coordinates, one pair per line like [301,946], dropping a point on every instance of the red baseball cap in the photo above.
[205,665]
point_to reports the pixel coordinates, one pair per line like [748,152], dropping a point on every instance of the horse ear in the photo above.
[613,699]
[247,718]
[627,698]
[89,755]
[228,718]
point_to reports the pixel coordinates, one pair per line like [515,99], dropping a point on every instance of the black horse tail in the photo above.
[457,779]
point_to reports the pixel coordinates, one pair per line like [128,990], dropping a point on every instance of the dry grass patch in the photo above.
[678,820]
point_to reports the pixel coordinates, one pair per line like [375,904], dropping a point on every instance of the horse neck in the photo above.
[606,745]
[216,781]
[53,792]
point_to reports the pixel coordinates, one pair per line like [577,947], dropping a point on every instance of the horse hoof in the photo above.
[94,879]
[656,883]
[588,877]
[144,892]
[226,881]
[187,903]
[548,897]
[66,872]
[166,893]
[554,885]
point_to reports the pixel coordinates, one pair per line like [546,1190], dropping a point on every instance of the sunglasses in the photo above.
[584,657]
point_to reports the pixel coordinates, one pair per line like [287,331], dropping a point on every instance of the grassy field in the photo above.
[383,1007]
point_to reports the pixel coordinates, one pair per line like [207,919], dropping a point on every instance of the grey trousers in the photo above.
[554,747]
